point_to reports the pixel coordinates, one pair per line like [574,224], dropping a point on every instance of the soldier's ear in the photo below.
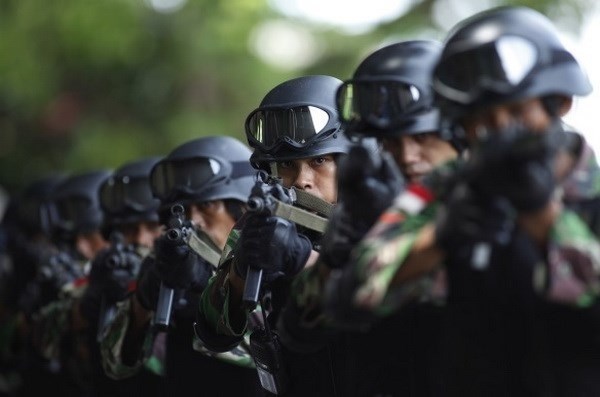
[557,105]
[566,105]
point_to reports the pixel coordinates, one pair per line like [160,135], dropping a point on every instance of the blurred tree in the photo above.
[93,84]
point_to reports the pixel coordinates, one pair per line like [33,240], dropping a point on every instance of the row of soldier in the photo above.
[427,227]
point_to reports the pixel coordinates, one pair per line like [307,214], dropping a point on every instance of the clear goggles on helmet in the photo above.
[124,194]
[498,66]
[189,177]
[297,126]
[381,104]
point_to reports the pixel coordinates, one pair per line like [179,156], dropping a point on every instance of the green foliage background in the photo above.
[88,84]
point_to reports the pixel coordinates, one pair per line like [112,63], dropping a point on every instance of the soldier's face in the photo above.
[142,233]
[89,244]
[315,175]
[416,155]
[214,219]
[529,113]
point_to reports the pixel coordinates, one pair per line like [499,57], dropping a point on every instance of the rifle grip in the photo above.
[164,306]
[252,287]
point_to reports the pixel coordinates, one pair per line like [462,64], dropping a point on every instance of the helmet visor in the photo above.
[127,194]
[499,66]
[188,177]
[70,212]
[297,126]
[381,104]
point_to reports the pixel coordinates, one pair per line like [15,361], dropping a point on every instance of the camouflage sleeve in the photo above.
[112,343]
[361,291]
[51,324]
[378,257]
[239,355]
[213,326]
[571,275]
[214,304]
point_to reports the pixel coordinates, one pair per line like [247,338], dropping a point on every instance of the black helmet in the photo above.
[204,169]
[502,55]
[33,204]
[76,203]
[390,92]
[126,197]
[296,119]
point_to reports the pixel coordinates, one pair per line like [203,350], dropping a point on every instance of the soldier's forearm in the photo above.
[423,258]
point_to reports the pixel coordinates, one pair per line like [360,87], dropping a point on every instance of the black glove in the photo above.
[365,190]
[367,185]
[340,237]
[148,284]
[466,218]
[113,270]
[179,267]
[272,244]
[517,165]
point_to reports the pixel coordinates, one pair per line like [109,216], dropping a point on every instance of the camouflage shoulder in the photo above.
[377,259]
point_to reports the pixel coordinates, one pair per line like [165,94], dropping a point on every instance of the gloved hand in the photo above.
[113,270]
[365,190]
[272,244]
[178,266]
[148,284]
[340,237]
[466,218]
[367,185]
[518,165]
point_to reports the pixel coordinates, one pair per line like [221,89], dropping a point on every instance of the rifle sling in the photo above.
[300,216]
[206,249]
[312,202]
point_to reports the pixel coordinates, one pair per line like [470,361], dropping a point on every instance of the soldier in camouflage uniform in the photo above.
[522,268]
[389,97]
[130,224]
[296,136]
[27,244]
[211,178]
[75,217]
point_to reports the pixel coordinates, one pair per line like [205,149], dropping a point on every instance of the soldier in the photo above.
[75,218]
[504,79]
[28,244]
[389,97]
[130,224]
[297,136]
[210,178]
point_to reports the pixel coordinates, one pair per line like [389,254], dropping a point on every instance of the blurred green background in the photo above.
[88,84]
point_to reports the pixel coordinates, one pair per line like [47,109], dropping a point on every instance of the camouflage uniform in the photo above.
[540,346]
[319,361]
[179,348]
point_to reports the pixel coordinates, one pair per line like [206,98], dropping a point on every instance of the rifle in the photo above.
[269,197]
[492,172]
[181,230]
